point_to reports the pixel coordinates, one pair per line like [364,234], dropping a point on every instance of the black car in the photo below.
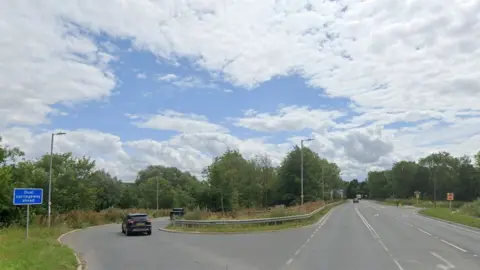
[137,223]
[355,200]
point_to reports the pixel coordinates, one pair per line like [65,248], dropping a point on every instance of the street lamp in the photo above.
[301,167]
[157,195]
[50,179]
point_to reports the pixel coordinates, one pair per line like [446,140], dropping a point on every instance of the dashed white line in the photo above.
[408,224]
[320,224]
[452,245]
[425,232]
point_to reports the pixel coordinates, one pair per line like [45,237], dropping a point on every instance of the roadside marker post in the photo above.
[417,195]
[27,196]
[450,197]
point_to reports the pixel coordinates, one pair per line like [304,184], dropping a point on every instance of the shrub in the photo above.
[472,209]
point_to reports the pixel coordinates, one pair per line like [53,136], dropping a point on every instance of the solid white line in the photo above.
[446,223]
[448,243]
[398,264]
[289,261]
[406,223]
[383,245]
[425,232]
[369,227]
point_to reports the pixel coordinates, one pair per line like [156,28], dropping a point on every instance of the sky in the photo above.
[177,82]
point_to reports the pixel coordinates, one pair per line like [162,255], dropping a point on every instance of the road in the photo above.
[362,236]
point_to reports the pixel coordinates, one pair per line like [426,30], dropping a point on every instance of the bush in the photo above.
[472,209]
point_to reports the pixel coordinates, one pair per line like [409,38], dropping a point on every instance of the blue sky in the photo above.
[176,83]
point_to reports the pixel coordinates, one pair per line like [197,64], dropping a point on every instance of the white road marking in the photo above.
[376,236]
[450,244]
[448,265]
[475,255]
[320,224]
[398,264]
[408,224]
[369,227]
[445,223]
[425,232]
[383,245]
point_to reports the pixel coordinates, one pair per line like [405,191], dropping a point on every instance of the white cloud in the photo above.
[141,76]
[46,61]
[397,61]
[185,82]
[290,118]
[181,122]
[166,77]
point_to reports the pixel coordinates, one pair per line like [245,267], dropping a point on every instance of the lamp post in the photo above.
[50,179]
[301,168]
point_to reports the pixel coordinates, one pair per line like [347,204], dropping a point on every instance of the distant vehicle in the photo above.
[359,196]
[355,200]
[137,223]
[176,212]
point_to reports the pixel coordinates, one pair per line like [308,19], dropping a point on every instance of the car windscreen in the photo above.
[139,218]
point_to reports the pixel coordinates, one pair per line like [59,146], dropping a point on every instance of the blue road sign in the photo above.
[27,196]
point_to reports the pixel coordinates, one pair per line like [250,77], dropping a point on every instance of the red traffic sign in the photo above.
[450,196]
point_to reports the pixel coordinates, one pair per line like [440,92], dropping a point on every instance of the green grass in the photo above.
[253,227]
[453,216]
[422,203]
[41,251]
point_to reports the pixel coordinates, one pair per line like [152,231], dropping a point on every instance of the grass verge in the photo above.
[42,251]
[453,216]
[253,227]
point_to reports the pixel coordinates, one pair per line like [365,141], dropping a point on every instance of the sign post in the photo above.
[27,196]
[417,195]
[450,197]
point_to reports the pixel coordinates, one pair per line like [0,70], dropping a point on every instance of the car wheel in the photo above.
[127,233]
[123,231]
[149,232]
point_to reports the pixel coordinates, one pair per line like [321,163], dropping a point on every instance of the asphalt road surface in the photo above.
[364,236]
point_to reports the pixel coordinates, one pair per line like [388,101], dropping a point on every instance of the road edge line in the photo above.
[80,265]
[447,222]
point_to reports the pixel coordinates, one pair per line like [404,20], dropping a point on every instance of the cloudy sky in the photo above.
[176,82]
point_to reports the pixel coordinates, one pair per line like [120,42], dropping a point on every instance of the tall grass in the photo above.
[251,213]
[472,209]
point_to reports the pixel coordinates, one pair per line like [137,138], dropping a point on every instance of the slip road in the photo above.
[362,236]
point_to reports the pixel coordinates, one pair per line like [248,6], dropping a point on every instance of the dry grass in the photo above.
[82,219]
[277,211]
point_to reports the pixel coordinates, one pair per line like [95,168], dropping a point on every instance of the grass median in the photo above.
[453,216]
[42,251]
[230,228]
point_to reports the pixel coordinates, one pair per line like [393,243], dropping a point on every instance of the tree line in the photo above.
[230,182]
[432,176]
